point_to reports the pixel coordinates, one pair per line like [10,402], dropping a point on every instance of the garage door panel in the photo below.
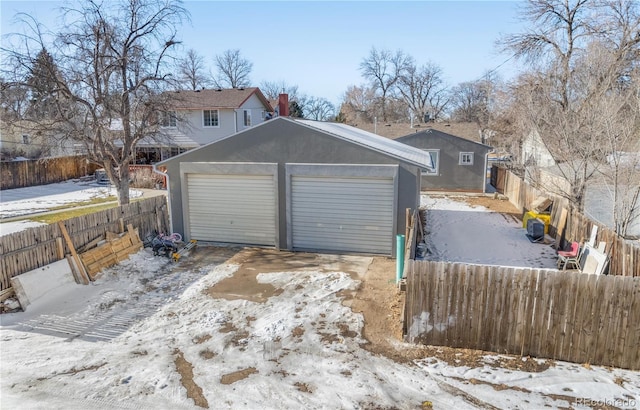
[340,220]
[231,236]
[232,208]
[346,191]
[350,211]
[345,200]
[221,220]
[370,225]
[344,214]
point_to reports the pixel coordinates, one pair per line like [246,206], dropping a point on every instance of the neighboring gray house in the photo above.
[459,164]
[298,185]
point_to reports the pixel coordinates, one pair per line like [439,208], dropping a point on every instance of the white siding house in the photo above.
[196,118]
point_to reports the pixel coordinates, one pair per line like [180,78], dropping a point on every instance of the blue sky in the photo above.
[318,46]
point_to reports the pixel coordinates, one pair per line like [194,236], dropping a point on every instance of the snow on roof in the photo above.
[385,145]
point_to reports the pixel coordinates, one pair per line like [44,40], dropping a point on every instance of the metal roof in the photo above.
[367,139]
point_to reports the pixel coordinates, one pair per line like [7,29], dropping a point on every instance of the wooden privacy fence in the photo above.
[23,251]
[543,313]
[569,225]
[19,174]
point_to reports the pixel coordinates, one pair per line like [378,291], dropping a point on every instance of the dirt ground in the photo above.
[495,204]
[381,304]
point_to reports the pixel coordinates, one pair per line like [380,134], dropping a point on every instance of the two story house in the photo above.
[196,118]
[20,139]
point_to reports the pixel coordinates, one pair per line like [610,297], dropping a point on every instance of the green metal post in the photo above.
[399,257]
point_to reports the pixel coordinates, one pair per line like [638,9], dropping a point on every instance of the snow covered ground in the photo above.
[31,200]
[148,335]
[458,232]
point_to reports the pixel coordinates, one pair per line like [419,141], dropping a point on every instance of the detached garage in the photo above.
[298,185]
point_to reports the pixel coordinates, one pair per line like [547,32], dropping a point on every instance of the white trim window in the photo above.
[168,119]
[210,118]
[466,158]
[247,118]
[435,160]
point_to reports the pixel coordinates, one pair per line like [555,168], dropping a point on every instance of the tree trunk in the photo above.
[123,186]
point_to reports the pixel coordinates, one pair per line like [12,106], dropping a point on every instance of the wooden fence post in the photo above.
[76,258]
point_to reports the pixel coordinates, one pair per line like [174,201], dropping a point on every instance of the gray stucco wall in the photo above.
[451,176]
[281,142]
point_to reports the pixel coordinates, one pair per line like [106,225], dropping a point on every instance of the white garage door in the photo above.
[232,208]
[342,214]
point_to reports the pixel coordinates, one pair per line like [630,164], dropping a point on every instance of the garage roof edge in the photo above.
[414,156]
[398,150]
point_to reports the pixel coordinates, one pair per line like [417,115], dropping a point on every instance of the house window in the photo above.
[168,119]
[435,160]
[26,139]
[466,158]
[247,118]
[210,118]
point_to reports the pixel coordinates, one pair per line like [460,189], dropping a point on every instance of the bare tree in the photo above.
[232,70]
[110,68]
[617,27]
[14,100]
[558,110]
[272,89]
[470,102]
[383,69]
[358,103]
[319,109]
[617,119]
[560,27]
[192,71]
[504,131]
[423,90]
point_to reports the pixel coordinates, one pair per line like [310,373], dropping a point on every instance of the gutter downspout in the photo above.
[484,174]
[166,176]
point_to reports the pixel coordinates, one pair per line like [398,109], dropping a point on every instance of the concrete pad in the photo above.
[34,284]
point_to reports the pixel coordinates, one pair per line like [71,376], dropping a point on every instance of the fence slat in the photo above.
[559,299]
[461,330]
[568,318]
[631,353]
[624,292]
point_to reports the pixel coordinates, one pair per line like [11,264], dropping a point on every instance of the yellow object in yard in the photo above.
[544,217]
[176,255]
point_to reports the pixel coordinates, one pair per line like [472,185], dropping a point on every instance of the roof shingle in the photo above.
[230,98]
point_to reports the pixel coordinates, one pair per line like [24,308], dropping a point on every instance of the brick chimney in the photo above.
[283,105]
